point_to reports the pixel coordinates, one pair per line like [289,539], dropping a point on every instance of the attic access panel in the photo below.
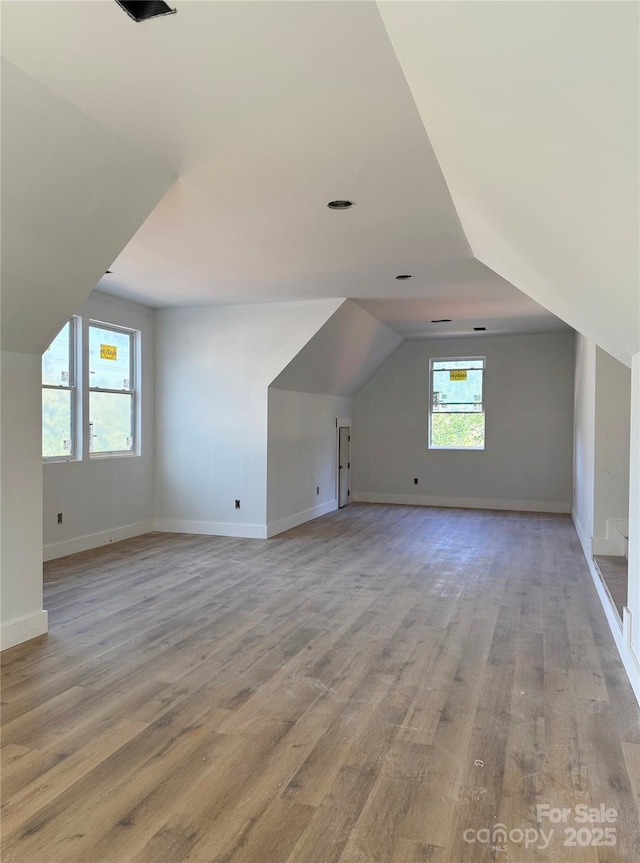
[140,10]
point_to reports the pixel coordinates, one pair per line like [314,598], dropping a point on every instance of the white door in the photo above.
[344,465]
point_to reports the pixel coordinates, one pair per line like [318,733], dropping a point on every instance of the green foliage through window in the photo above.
[456,414]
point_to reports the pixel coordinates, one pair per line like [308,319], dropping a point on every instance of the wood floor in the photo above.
[383,684]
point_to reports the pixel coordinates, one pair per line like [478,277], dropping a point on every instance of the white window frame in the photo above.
[134,391]
[75,329]
[432,362]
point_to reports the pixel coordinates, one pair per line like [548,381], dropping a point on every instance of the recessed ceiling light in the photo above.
[141,10]
[340,205]
[442,321]
[107,272]
[479,329]
[403,276]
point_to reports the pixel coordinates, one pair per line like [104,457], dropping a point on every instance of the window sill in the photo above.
[98,456]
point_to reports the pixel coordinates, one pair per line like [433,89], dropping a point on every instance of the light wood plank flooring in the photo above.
[383,684]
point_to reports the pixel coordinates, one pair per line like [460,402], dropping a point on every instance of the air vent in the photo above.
[141,10]
[479,329]
[404,276]
[340,205]
[442,321]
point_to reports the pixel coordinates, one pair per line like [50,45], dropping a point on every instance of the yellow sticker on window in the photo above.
[458,375]
[108,352]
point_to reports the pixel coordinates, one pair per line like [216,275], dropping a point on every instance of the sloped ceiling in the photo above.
[72,196]
[267,110]
[533,112]
[341,357]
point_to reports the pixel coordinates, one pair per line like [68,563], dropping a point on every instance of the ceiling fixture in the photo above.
[404,276]
[340,205]
[479,329]
[442,321]
[107,272]
[141,10]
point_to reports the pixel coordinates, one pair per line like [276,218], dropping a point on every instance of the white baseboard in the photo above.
[94,540]
[621,633]
[24,629]
[462,502]
[282,524]
[211,528]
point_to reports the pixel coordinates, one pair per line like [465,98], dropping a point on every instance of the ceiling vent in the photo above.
[479,329]
[340,205]
[141,10]
[442,321]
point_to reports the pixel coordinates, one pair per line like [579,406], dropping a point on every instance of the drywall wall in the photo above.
[627,636]
[73,195]
[533,113]
[633,598]
[302,456]
[341,356]
[526,463]
[213,367]
[612,440]
[22,615]
[104,499]
[584,445]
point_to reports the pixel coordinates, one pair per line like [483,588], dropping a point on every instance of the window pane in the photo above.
[109,359]
[457,389]
[111,417]
[457,430]
[56,423]
[55,360]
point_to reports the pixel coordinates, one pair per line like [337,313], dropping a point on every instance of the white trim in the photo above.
[462,502]
[621,634]
[94,540]
[211,528]
[24,629]
[282,524]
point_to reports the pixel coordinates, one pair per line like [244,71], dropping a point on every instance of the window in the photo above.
[59,395]
[111,389]
[98,394]
[456,417]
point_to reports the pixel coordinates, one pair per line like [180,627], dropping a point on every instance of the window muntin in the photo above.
[59,395]
[111,389]
[456,414]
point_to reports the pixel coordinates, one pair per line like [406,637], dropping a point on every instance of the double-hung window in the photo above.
[112,395]
[90,381]
[59,395]
[456,415]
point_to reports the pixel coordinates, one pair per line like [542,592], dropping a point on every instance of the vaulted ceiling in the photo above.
[490,149]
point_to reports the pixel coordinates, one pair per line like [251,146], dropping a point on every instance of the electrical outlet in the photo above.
[59,518]
[237,504]
[317,489]
[415,480]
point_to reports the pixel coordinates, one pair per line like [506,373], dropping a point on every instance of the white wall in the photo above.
[105,499]
[627,636]
[584,440]
[302,456]
[612,432]
[342,355]
[633,599]
[22,616]
[529,421]
[214,366]
[73,195]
